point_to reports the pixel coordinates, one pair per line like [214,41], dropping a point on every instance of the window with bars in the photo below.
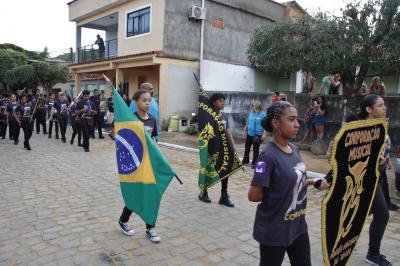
[138,22]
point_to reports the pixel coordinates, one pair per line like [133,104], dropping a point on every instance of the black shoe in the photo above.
[393,207]
[28,147]
[245,162]
[11,138]
[87,150]
[64,140]
[45,133]
[379,260]
[57,137]
[25,145]
[71,142]
[37,132]
[101,137]
[80,145]
[93,137]
[204,197]
[224,200]
[126,229]
[49,136]
[16,142]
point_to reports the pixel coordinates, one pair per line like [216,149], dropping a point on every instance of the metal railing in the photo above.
[92,52]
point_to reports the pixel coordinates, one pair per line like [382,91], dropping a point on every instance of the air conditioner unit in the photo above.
[197,13]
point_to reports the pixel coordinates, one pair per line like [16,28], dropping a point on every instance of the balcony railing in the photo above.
[93,53]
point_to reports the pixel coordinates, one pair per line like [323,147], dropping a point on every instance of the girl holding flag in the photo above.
[143,101]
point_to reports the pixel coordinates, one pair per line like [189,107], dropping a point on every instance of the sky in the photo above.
[35,24]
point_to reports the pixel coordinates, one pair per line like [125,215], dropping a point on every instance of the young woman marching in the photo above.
[62,106]
[14,127]
[52,114]
[371,107]
[75,123]
[280,184]
[217,101]
[23,115]
[143,102]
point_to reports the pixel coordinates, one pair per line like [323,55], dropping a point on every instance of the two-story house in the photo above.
[156,41]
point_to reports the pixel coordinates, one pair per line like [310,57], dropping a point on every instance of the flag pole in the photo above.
[112,86]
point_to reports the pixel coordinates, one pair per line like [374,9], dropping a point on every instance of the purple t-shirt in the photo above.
[280,217]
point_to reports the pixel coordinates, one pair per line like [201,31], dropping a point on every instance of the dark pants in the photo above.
[298,253]
[247,147]
[40,117]
[100,123]
[3,128]
[224,186]
[76,130]
[84,127]
[51,128]
[14,129]
[380,219]
[126,213]
[63,121]
[27,127]
[97,124]
[385,185]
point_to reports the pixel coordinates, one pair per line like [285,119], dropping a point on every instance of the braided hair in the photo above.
[274,111]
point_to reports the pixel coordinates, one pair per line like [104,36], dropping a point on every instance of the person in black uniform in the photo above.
[12,122]
[40,113]
[95,99]
[3,115]
[24,119]
[75,123]
[52,115]
[62,106]
[84,110]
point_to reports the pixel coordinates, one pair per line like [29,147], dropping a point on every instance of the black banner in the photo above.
[354,160]
[217,156]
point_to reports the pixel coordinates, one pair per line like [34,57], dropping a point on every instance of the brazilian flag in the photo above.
[144,173]
[218,159]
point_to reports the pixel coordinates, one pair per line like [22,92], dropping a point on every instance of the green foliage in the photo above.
[49,75]
[30,54]
[22,76]
[8,60]
[191,130]
[366,36]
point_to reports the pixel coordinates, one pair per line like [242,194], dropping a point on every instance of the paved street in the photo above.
[59,205]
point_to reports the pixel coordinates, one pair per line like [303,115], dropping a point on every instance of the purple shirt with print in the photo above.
[280,217]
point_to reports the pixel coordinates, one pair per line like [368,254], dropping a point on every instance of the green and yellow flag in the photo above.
[144,173]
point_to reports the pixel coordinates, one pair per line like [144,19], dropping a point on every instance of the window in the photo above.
[138,22]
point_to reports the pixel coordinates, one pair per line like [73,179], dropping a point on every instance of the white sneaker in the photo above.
[126,229]
[152,235]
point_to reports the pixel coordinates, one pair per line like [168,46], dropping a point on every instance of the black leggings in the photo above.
[76,131]
[256,150]
[380,219]
[298,253]
[385,186]
[51,128]
[27,127]
[14,129]
[126,213]
[63,122]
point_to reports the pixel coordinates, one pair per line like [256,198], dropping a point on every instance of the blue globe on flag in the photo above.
[129,151]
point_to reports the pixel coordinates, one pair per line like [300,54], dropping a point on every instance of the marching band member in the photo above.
[52,114]
[75,123]
[14,127]
[3,115]
[40,114]
[24,119]
[62,106]
[84,111]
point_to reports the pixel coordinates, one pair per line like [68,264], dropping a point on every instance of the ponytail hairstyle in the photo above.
[274,111]
[367,101]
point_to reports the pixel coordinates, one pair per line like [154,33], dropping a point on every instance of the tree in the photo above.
[366,38]
[49,75]
[30,54]
[8,60]
[21,77]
